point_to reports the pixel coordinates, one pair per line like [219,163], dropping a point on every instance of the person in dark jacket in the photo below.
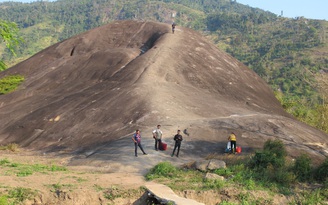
[137,143]
[178,139]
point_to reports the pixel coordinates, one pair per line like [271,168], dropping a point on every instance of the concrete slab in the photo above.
[165,194]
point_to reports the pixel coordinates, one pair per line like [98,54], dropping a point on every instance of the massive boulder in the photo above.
[96,88]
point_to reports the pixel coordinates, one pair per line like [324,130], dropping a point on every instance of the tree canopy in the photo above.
[8,36]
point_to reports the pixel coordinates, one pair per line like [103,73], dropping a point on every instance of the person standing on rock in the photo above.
[173,27]
[137,143]
[157,135]
[232,138]
[178,139]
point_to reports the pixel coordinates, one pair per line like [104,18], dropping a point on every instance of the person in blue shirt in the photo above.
[137,143]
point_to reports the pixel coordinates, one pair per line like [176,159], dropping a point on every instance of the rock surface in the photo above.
[85,96]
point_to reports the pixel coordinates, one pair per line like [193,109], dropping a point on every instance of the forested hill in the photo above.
[290,54]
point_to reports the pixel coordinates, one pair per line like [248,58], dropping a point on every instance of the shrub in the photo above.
[10,83]
[163,169]
[302,168]
[273,153]
[321,173]
[276,147]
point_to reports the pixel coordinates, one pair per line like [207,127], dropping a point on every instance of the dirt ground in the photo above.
[77,185]
[90,185]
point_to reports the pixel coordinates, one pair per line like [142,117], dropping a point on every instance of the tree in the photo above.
[8,35]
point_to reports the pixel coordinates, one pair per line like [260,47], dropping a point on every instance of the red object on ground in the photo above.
[163,146]
[238,149]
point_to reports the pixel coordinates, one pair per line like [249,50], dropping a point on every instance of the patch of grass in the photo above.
[115,192]
[97,187]
[3,200]
[163,169]
[182,179]
[4,161]
[23,170]
[58,186]
[10,83]
[79,179]
[318,196]
[17,196]
[227,203]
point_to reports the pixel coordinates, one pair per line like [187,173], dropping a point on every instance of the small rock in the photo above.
[211,176]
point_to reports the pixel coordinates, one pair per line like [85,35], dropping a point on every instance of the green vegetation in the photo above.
[56,187]
[9,35]
[10,83]
[267,170]
[114,192]
[16,196]
[23,170]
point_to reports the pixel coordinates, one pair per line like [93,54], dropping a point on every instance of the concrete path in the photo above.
[165,194]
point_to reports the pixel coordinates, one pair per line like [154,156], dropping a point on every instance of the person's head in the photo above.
[137,131]
[158,126]
[178,131]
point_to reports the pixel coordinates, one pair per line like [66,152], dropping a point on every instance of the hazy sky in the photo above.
[313,9]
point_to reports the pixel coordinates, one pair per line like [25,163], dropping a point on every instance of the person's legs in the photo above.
[175,146]
[233,146]
[141,148]
[135,149]
[159,143]
[178,149]
[156,141]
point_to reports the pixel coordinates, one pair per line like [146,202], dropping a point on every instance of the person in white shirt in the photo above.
[157,135]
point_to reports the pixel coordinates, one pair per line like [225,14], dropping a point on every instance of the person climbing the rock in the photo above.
[157,135]
[178,139]
[137,143]
[173,27]
[232,138]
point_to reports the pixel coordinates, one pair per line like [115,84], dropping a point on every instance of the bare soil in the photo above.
[90,185]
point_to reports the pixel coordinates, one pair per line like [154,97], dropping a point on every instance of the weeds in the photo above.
[58,186]
[114,192]
[17,196]
[23,170]
[10,83]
